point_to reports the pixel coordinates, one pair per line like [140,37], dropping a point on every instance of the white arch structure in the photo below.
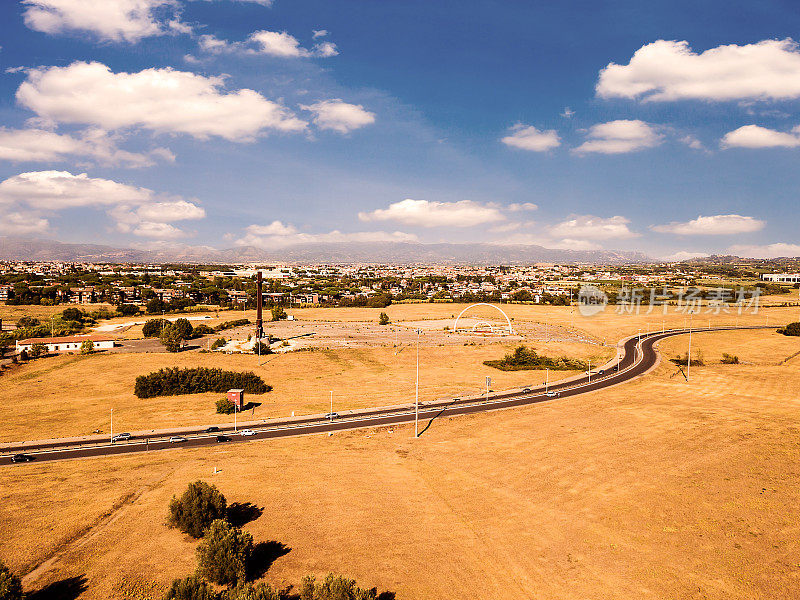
[502,312]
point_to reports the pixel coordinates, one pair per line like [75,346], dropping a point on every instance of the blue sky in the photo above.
[667,128]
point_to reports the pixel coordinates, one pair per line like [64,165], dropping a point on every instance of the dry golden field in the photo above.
[652,489]
[72,395]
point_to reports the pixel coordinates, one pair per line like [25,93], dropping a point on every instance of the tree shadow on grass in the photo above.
[241,513]
[264,554]
[250,405]
[65,589]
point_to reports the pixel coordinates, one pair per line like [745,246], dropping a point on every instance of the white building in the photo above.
[781,277]
[70,343]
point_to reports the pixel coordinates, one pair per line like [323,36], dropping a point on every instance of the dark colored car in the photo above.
[526,390]
[211,429]
[21,458]
[223,438]
[601,372]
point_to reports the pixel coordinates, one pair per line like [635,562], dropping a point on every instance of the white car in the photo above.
[177,439]
[553,394]
[121,437]
[332,416]
[247,432]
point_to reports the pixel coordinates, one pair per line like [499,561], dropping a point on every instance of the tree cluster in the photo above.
[792,329]
[175,381]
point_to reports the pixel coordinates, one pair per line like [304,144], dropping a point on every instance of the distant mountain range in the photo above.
[17,248]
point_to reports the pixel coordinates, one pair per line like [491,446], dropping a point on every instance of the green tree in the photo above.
[38,350]
[383,319]
[261,348]
[153,327]
[278,314]
[10,584]
[87,347]
[184,328]
[197,508]
[155,306]
[224,553]
[218,343]
[171,338]
[190,588]
[24,322]
[334,587]
[225,406]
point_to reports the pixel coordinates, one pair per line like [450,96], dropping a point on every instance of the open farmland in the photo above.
[571,499]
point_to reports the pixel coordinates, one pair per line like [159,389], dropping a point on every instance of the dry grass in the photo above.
[655,489]
[72,395]
[11,313]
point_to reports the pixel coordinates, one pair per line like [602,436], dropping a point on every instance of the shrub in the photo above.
[72,314]
[171,338]
[38,350]
[197,508]
[526,358]
[201,330]
[190,588]
[24,322]
[248,591]
[128,310]
[278,314]
[729,359]
[261,348]
[223,554]
[10,584]
[334,587]
[87,347]
[225,406]
[24,355]
[791,329]
[175,381]
[155,306]
[218,343]
[383,319]
[231,324]
[153,327]
[683,359]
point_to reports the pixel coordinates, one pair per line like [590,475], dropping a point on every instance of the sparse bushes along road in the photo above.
[527,358]
[176,381]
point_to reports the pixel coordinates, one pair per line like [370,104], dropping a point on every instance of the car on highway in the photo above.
[601,372]
[526,390]
[247,432]
[21,458]
[223,438]
[121,437]
[176,439]
[211,429]
[332,416]
[553,394]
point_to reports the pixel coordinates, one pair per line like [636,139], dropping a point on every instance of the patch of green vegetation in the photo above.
[523,358]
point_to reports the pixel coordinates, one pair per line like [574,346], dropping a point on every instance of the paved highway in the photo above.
[639,357]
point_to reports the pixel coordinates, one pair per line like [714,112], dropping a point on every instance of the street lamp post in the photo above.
[689,356]
[112,425]
[546,379]
[416,401]
[589,371]
[331,413]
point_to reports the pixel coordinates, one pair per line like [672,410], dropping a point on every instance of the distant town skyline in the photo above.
[670,129]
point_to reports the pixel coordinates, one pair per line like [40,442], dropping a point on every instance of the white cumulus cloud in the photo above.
[41,145]
[516,207]
[161,100]
[754,136]
[423,213]
[590,227]
[671,70]
[527,137]
[776,250]
[621,136]
[271,43]
[110,20]
[339,116]
[135,209]
[712,225]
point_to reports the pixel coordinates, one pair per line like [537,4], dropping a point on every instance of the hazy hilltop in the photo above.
[18,248]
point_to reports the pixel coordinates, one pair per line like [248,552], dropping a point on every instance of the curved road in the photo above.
[638,358]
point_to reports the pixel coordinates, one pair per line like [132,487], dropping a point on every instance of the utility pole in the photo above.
[589,372]
[546,379]
[416,401]
[689,356]
[331,413]
[112,425]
